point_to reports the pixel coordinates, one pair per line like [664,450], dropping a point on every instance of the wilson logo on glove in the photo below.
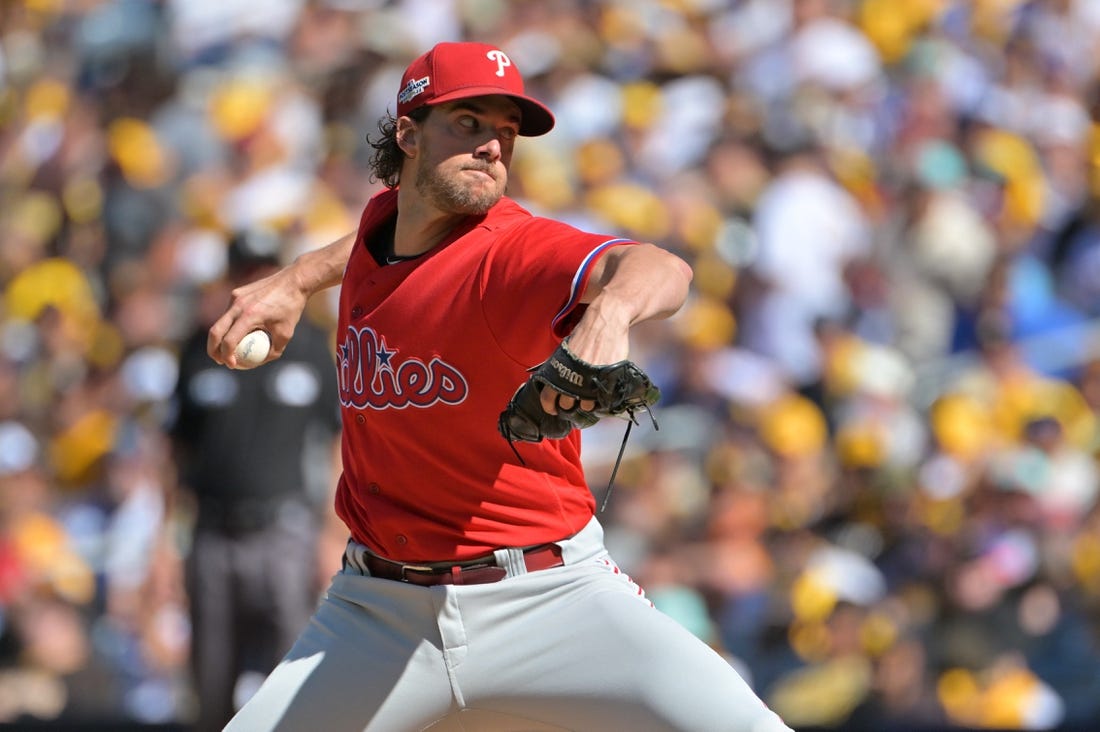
[567,373]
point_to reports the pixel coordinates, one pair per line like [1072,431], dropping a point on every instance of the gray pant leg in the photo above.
[283,559]
[214,662]
[593,655]
[369,659]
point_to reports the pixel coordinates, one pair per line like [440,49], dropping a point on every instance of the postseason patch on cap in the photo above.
[413,88]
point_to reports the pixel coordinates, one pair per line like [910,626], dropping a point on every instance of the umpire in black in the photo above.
[242,440]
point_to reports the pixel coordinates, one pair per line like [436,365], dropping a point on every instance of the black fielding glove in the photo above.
[618,390]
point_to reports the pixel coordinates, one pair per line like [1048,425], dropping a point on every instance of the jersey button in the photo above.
[357,312]
[374,489]
[360,418]
[401,539]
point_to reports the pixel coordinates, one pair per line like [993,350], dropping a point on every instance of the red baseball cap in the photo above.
[451,71]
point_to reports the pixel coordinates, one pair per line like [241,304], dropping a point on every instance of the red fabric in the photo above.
[429,351]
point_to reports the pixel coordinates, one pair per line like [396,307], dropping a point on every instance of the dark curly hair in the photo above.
[388,157]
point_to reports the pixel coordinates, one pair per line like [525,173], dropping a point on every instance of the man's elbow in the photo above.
[680,273]
[677,276]
[685,271]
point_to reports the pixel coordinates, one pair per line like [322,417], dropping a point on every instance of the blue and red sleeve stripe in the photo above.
[580,280]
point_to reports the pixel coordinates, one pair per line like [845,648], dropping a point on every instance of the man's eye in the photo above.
[508,133]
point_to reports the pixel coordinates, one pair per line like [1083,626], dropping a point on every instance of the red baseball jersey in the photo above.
[429,351]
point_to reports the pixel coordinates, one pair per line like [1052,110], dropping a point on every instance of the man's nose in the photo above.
[490,149]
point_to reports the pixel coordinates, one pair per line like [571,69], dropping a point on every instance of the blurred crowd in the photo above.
[874,482]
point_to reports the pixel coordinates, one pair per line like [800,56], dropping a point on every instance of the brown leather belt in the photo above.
[471,572]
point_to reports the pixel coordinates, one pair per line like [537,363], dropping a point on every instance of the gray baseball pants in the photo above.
[576,648]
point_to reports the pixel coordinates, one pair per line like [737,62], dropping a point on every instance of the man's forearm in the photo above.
[322,268]
[630,285]
[649,282]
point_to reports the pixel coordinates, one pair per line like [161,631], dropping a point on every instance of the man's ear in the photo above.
[407,136]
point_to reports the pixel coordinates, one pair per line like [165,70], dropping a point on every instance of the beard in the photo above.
[450,194]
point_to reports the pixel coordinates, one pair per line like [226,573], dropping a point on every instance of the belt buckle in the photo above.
[424,568]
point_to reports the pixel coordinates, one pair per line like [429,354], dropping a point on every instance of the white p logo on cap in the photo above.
[502,60]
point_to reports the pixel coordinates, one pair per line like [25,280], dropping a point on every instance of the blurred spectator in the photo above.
[246,443]
[808,231]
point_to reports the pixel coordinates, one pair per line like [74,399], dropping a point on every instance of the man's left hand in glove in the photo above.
[616,390]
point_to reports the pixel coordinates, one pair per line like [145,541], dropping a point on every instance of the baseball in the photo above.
[253,349]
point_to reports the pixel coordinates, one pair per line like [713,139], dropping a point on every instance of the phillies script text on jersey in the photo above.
[371,376]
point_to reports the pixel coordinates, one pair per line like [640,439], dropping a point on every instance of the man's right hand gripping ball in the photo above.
[617,390]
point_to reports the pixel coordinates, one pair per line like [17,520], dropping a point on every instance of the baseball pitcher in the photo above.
[475,340]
